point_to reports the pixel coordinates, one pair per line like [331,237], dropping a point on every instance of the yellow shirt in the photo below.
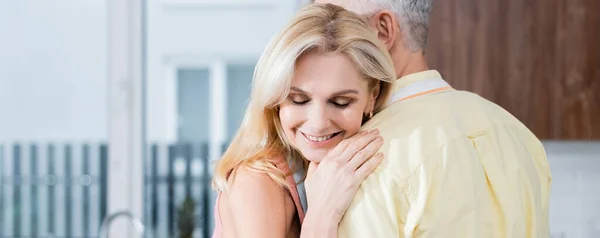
[456,165]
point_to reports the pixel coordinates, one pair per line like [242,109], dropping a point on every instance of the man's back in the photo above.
[456,165]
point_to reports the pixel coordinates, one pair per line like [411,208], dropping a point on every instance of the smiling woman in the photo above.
[316,83]
[321,76]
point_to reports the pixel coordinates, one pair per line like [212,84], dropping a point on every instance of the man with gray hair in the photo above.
[456,165]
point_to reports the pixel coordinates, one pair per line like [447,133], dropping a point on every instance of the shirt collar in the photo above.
[413,78]
[416,85]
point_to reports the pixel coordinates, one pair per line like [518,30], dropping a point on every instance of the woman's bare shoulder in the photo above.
[257,203]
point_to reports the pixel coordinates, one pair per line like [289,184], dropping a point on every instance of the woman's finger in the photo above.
[357,145]
[341,147]
[368,167]
[365,154]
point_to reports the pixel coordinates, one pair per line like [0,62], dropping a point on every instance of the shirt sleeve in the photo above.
[380,205]
[376,210]
[444,193]
[410,199]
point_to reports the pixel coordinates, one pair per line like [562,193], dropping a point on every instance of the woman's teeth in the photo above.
[318,139]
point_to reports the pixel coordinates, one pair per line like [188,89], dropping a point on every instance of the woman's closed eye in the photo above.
[301,102]
[299,99]
[341,102]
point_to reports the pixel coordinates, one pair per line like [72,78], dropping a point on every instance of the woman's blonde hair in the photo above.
[324,28]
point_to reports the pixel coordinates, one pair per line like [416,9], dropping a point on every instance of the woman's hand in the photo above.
[332,183]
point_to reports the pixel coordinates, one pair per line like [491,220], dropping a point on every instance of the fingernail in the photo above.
[375,132]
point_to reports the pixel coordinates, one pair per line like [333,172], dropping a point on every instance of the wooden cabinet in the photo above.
[539,59]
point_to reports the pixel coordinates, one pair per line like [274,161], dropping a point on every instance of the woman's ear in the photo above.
[375,94]
[373,98]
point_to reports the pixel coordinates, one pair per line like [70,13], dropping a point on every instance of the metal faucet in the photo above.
[135,221]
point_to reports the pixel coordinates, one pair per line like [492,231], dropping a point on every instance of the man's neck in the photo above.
[410,64]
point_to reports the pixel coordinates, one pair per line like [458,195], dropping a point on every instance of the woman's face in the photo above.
[326,104]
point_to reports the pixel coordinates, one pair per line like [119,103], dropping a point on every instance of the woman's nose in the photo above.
[319,118]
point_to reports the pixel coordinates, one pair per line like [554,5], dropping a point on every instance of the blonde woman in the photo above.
[316,83]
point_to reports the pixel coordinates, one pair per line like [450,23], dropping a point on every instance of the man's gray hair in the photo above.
[413,17]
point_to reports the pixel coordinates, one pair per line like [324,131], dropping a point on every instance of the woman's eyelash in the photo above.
[300,102]
[341,105]
[334,103]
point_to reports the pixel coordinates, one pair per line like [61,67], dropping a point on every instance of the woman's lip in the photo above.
[306,134]
[321,143]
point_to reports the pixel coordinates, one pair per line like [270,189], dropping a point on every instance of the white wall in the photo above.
[52,70]
[575,194]
[53,59]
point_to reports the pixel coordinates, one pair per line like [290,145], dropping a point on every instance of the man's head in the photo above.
[402,25]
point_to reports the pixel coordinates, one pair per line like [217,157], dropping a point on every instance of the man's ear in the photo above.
[387,27]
